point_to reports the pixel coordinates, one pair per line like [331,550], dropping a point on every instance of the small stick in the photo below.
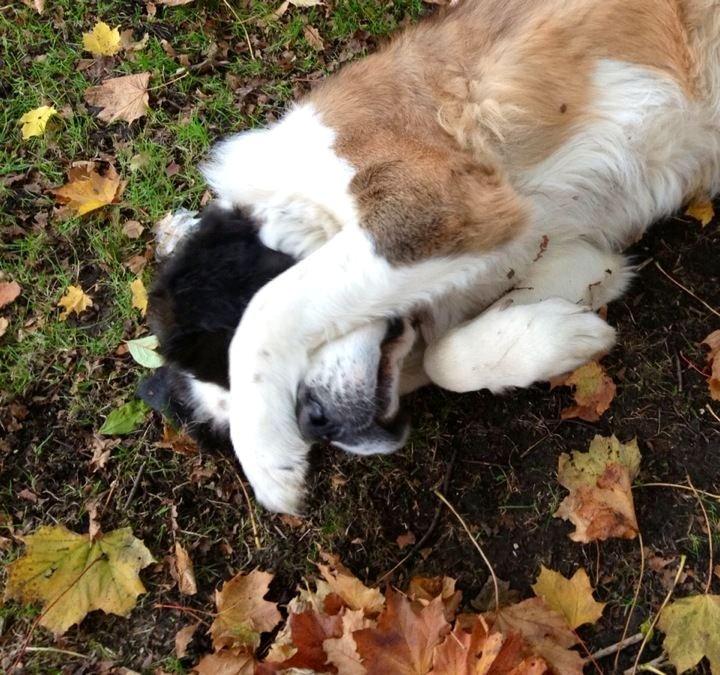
[442,498]
[633,604]
[195,613]
[651,627]
[688,291]
[135,486]
[618,646]
[55,650]
[253,524]
[242,24]
[712,412]
[710,535]
[679,487]
[650,666]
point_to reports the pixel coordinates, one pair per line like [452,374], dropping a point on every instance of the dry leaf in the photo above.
[342,651]
[73,575]
[600,503]
[309,631]
[313,38]
[712,341]
[75,300]
[38,5]
[594,390]
[702,210]
[34,121]
[136,264]
[692,631]
[183,638]
[354,593]
[177,441]
[405,540]
[242,613]
[226,662]
[9,291]
[184,571]
[4,323]
[128,43]
[139,295]
[545,631]
[121,98]
[425,589]
[404,639]
[86,190]
[573,598]
[468,652]
[132,229]
[102,41]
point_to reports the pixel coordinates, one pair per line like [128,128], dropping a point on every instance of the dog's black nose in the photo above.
[312,420]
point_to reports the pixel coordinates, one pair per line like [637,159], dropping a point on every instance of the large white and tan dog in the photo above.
[497,144]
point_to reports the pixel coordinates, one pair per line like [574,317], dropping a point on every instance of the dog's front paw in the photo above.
[278,488]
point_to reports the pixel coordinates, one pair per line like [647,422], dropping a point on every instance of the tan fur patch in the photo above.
[435,120]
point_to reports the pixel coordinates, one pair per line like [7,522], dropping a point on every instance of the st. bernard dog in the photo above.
[495,150]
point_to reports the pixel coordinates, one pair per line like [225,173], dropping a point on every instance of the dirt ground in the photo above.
[505,448]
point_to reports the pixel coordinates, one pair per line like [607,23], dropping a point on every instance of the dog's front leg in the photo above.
[342,285]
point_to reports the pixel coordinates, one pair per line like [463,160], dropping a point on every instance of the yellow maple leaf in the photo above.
[702,210]
[573,597]
[86,190]
[139,295]
[34,121]
[73,574]
[102,40]
[74,300]
[692,630]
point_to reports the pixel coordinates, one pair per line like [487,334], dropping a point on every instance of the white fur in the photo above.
[210,402]
[644,150]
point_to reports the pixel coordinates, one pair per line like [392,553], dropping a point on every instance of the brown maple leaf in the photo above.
[354,593]
[342,651]
[121,98]
[712,342]
[405,637]
[243,614]
[460,652]
[9,291]
[309,631]
[426,589]
[226,662]
[87,190]
[593,392]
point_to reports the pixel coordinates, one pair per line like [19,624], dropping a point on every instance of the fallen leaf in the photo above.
[692,631]
[313,38]
[38,5]
[136,264]
[716,571]
[484,601]
[355,594]
[86,190]
[546,631]
[712,341]
[425,589]
[405,540]
[177,441]
[226,662]
[9,292]
[128,43]
[342,651]
[102,40]
[404,639]
[132,229]
[573,598]
[184,570]
[121,98]
[34,121]
[125,419]
[243,614]
[143,351]
[701,210]
[73,575]
[594,390]
[139,295]
[309,631]
[75,300]
[4,323]
[600,503]
[183,638]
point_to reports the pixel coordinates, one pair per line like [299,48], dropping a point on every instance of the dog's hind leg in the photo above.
[541,329]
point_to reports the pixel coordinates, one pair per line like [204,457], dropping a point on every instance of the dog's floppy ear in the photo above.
[431,203]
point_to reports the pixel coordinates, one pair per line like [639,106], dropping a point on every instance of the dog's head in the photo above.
[350,393]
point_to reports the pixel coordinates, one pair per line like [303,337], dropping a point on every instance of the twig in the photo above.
[173,80]
[651,627]
[39,617]
[442,498]
[712,412]
[636,595]
[618,646]
[679,487]
[135,486]
[55,650]
[433,523]
[710,535]
[195,613]
[253,524]
[242,25]
[688,291]
[649,666]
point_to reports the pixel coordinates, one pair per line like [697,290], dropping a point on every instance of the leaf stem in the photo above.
[709,533]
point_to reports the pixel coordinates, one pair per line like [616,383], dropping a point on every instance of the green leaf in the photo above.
[143,351]
[125,419]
